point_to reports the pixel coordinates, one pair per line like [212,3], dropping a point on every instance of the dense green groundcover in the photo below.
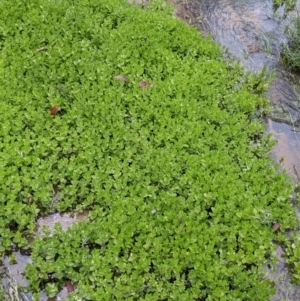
[167,157]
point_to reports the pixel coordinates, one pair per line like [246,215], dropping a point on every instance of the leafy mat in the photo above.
[132,115]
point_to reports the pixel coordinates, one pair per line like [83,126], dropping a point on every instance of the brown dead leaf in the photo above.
[54,110]
[276,226]
[122,78]
[69,286]
[144,84]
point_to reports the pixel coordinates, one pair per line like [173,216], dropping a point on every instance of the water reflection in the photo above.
[287,147]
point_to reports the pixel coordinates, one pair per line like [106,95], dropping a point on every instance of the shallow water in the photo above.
[287,147]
